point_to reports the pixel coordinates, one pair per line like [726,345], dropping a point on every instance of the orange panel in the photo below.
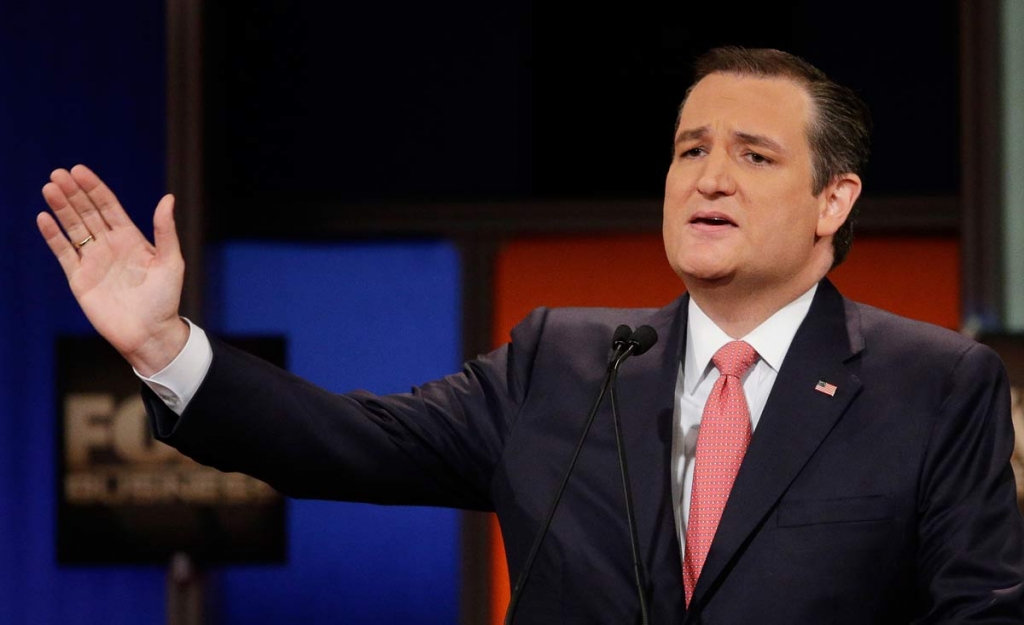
[623,270]
[916,277]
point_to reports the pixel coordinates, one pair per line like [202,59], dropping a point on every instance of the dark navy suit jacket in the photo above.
[890,502]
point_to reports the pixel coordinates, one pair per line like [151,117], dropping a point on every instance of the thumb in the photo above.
[165,234]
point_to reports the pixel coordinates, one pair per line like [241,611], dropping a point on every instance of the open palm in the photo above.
[128,288]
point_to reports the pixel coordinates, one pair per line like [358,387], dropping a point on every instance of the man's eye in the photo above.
[692,152]
[758,159]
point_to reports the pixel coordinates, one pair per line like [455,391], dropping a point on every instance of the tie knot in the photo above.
[734,358]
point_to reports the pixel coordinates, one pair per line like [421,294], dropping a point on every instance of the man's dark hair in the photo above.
[839,132]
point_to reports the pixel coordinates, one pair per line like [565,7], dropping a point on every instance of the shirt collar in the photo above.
[771,339]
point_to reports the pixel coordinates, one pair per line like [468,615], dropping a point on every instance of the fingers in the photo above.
[165,234]
[68,217]
[83,211]
[101,197]
[58,244]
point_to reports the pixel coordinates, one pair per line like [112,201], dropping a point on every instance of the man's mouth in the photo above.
[712,219]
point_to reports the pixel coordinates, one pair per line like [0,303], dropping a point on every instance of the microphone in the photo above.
[620,341]
[642,340]
[625,343]
[621,336]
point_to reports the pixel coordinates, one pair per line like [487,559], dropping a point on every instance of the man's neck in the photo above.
[739,310]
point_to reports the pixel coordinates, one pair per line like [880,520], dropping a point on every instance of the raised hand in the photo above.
[129,289]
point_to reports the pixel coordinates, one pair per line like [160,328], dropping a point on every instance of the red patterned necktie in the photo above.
[721,444]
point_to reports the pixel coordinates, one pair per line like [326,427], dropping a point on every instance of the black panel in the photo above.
[123,497]
[317,111]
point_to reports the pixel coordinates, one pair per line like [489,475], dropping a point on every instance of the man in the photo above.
[875,486]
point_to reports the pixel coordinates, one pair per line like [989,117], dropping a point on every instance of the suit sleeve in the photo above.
[437,445]
[971,558]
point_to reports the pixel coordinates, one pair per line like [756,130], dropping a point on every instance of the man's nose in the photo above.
[716,178]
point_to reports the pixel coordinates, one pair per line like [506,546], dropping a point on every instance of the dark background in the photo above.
[325,104]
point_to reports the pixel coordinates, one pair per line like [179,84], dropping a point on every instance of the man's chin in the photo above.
[706,277]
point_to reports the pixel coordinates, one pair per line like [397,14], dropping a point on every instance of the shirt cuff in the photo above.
[177,383]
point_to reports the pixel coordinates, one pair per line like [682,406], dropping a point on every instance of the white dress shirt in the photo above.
[177,383]
[697,376]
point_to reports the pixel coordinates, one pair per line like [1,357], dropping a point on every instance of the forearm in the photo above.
[416,448]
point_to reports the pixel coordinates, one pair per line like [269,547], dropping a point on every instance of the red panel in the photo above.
[917,277]
[624,270]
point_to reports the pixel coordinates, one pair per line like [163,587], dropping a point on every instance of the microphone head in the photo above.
[621,336]
[644,338]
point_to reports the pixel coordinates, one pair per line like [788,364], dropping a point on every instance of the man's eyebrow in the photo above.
[691,134]
[761,141]
[764,141]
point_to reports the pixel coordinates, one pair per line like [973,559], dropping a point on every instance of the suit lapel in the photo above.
[646,386]
[795,421]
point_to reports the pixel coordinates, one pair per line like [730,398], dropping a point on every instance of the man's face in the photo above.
[738,202]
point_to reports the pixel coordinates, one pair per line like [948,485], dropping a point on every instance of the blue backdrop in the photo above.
[85,83]
[78,83]
[375,316]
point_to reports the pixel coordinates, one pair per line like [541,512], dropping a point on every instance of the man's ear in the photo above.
[837,202]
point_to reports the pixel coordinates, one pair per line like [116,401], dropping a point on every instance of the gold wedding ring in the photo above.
[82,243]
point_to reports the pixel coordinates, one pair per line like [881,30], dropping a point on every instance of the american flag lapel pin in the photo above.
[824,387]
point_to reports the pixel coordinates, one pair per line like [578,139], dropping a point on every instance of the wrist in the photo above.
[162,347]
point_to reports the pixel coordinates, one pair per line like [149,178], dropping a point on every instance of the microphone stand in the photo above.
[634,542]
[624,348]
